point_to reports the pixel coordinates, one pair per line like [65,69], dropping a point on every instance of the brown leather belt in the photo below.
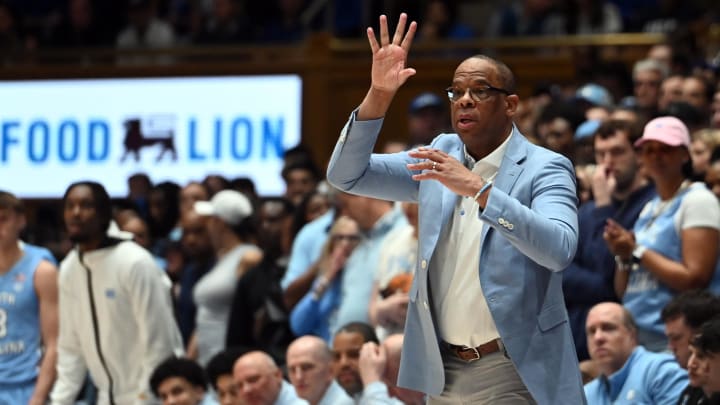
[474,353]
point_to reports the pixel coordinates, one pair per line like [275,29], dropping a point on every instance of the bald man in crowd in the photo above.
[309,364]
[259,381]
[629,373]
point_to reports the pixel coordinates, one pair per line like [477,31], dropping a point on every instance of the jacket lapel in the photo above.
[510,169]
[449,198]
[437,208]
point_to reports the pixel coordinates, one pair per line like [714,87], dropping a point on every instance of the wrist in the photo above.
[602,201]
[317,293]
[622,264]
[382,314]
[375,105]
[638,252]
[34,400]
[320,287]
[475,184]
[370,377]
[482,190]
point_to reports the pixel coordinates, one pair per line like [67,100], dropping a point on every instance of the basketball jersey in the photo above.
[20,337]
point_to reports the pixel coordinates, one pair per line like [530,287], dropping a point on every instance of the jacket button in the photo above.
[501,221]
[423,264]
[510,226]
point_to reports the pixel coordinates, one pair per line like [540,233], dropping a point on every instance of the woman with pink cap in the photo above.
[674,244]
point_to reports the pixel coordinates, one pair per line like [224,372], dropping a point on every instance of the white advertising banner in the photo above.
[55,132]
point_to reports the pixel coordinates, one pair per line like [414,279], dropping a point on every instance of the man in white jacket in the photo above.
[116,318]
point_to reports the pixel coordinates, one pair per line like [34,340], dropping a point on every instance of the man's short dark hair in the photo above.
[690,115]
[141,177]
[8,201]
[697,306]
[101,200]
[305,165]
[561,109]
[298,153]
[246,186]
[178,367]
[708,340]
[608,129]
[504,72]
[224,182]
[367,331]
[222,364]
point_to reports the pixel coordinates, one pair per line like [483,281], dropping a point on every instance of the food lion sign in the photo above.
[55,132]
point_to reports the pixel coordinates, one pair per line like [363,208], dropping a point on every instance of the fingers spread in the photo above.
[384,35]
[407,41]
[400,30]
[372,40]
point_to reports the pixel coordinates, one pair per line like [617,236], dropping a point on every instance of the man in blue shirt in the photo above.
[309,365]
[28,311]
[306,248]
[629,373]
[377,219]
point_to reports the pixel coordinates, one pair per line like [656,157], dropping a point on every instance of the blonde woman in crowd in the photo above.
[703,143]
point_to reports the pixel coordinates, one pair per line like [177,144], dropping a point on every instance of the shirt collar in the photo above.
[385,223]
[494,158]
[614,383]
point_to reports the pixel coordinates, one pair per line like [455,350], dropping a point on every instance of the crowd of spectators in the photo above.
[167,23]
[313,284]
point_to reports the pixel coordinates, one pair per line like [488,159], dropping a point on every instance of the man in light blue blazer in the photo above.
[486,321]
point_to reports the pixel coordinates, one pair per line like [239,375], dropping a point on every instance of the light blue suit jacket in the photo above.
[530,235]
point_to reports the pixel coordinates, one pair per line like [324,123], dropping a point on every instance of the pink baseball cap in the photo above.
[668,130]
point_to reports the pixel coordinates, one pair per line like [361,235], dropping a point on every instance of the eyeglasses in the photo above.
[353,238]
[477,94]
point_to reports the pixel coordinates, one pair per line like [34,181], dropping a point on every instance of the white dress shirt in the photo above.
[458,301]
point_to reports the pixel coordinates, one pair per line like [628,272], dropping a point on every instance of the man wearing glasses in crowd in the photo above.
[486,320]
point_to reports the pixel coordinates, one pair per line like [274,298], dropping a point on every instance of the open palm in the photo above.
[389,58]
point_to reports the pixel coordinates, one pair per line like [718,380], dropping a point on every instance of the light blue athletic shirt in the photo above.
[20,337]
[646,296]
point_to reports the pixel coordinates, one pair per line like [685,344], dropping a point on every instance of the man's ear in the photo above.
[511,104]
